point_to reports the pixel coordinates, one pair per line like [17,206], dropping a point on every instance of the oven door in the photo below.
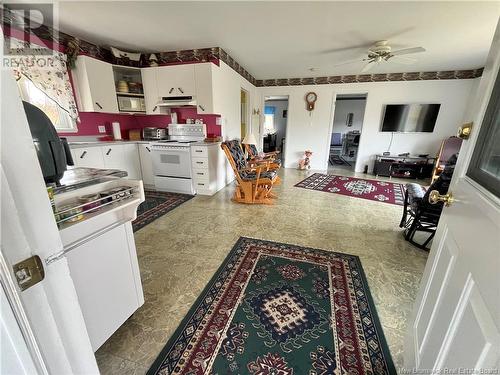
[171,161]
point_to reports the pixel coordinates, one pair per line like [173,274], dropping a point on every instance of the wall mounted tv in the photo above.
[410,118]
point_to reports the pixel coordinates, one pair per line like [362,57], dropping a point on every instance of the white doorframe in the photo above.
[332,117]
[29,228]
[261,135]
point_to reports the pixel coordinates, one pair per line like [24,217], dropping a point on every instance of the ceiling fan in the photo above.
[381,51]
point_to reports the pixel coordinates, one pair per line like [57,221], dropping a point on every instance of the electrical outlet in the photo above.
[101,128]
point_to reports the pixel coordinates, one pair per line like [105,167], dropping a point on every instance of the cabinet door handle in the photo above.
[180,89]
[147,148]
[171,90]
[83,154]
[155,108]
[201,107]
[109,151]
[97,104]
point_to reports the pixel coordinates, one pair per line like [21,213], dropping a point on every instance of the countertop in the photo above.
[76,178]
[77,144]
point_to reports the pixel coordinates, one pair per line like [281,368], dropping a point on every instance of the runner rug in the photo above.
[280,309]
[155,205]
[375,190]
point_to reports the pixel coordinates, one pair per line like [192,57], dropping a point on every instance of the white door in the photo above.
[146,163]
[52,313]
[95,85]
[177,80]
[150,86]
[90,157]
[456,320]
[131,161]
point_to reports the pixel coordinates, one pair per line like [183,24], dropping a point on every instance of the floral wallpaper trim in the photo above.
[413,76]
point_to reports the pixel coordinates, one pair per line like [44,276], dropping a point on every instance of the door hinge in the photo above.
[29,272]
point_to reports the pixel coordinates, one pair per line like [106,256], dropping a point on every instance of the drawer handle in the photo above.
[198,150]
[97,104]
[201,107]
[171,90]
[199,162]
[180,89]
[201,184]
[109,152]
[200,173]
[83,154]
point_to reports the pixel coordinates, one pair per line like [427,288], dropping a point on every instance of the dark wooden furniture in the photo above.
[269,143]
[403,166]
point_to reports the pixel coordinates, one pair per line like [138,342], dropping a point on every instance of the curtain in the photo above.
[49,73]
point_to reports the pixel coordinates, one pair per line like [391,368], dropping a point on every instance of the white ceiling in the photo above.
[286,39]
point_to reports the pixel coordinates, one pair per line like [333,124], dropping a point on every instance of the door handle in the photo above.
[109,152]
[435,197]
[171,90]
[83,154]
[97,104]
[180,89]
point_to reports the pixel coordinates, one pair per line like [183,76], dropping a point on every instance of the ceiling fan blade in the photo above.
[347,62]
[368,66]
[407,51]
[342,49]
[402,60]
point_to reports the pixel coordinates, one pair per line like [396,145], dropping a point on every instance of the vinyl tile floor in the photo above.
[179,252]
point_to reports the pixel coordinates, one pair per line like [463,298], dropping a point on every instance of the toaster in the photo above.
[151,133]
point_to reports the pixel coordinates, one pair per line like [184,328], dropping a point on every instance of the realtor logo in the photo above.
[28,29]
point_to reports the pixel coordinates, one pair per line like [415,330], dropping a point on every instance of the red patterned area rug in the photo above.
[273,308]
[157,204]
[374,190]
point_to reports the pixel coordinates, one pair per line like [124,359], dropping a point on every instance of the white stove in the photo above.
[172,158]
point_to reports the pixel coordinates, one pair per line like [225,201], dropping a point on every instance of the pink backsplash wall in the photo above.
[89,122]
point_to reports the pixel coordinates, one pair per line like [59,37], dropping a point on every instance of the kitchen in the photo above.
[140,132]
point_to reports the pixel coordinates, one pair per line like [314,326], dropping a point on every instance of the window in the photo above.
[60,118]
[269,120]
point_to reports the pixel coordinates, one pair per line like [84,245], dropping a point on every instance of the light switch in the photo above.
[101,128]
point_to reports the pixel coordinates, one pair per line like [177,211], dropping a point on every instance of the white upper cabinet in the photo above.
[150,85]
[176,80]
[204,88]
[94,85]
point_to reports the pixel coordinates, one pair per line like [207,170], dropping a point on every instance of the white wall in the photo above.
[313,132]
[227,85]
[342,108]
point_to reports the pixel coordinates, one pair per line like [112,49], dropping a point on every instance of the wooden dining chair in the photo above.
[255,182]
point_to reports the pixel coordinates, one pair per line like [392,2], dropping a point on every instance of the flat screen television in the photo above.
[410,118]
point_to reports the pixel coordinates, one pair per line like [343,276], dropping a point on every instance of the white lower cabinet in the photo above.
[124,157]
[207,161]
[89,157]
[148,177]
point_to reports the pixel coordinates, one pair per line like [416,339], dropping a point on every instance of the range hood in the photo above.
[177,101]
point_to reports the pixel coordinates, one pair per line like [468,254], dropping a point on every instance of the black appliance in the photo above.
[410,118]
[53,152]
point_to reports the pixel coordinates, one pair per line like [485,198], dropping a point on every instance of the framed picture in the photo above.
[285,113]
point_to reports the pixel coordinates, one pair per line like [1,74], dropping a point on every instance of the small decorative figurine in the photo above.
[305,162]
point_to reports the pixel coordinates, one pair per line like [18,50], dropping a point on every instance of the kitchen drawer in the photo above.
[199,151]
[200,163]
[201,185]
[200,173]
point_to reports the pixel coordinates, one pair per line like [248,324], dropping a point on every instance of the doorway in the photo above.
[275,124]
[346,131]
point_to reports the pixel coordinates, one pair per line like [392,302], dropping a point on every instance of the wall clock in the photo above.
[311,98]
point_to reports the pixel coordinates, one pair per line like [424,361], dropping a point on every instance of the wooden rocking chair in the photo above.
[255,182]
[269,157]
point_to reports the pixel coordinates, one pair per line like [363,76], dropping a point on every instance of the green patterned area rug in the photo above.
[280,309]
